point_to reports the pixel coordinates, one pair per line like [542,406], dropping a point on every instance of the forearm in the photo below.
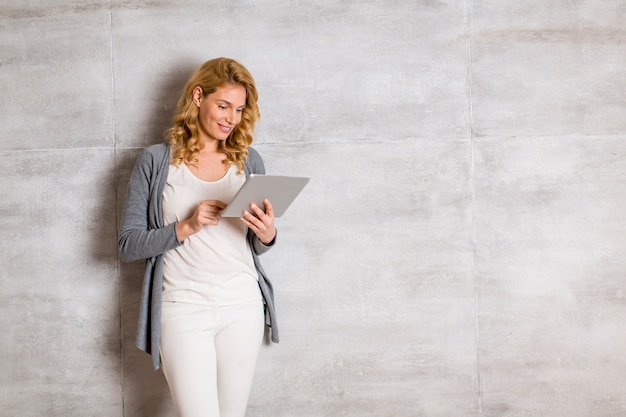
[135,244]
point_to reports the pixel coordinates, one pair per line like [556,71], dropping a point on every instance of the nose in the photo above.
[233,117]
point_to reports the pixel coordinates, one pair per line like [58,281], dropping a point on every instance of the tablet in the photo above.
[280,190]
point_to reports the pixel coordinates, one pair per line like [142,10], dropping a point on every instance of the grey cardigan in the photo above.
[144,236]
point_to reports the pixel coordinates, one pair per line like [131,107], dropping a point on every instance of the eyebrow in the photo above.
[229,103]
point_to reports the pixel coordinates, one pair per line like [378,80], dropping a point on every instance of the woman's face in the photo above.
[219,112]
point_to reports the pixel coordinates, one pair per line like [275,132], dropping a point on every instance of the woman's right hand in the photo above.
[208,212]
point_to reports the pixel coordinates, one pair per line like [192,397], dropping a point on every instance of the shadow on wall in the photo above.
[145,392]
[163,106]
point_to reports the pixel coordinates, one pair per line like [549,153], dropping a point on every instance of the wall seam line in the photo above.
[115,168]
[479,392]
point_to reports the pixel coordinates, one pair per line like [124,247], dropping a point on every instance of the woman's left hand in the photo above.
[261,223]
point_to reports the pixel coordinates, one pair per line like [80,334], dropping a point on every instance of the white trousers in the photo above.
[208,356]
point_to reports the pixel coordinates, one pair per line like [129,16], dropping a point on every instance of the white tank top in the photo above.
[214,266]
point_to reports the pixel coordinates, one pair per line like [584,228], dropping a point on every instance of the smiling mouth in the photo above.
[225,129]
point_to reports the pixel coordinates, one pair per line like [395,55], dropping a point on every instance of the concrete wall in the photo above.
[460,250]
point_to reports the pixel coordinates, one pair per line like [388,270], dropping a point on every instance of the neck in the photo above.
[209,146]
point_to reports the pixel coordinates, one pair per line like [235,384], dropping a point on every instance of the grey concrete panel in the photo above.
[371,272]
[548,68]
[58,278]
[551,226]
[434,266]
[55,83]
[325,70]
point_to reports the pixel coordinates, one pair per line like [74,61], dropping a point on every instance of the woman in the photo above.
[205,293]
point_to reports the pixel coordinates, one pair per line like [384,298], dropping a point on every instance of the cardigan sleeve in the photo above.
[142,234]
[256,166]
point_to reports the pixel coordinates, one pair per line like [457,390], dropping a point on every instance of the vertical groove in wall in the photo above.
[476,286]
[468,31]
[473,191]
[115,199]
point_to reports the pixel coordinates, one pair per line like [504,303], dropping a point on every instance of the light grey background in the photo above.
[459,251]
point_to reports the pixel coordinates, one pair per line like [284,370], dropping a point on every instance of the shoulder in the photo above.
[156,152]
[255,162]
[254,155]
[154,155]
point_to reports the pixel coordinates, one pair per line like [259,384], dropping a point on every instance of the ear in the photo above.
[197,95]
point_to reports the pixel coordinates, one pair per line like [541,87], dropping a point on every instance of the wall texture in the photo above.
[460,250]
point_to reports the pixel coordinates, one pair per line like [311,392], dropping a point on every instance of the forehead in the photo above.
[232,93]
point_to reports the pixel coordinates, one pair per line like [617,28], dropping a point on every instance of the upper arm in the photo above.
[255,161]
[142,233]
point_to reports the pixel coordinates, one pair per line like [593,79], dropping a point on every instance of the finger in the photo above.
[269,209]
[257,210]
[249,220]
[213,220]
[249,217]
[209,215]
[206,220]
[220,205]
[245,222]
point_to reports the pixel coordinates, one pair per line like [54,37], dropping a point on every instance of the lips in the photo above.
[225,129]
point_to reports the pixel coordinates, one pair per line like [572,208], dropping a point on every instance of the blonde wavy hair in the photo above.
[183,136]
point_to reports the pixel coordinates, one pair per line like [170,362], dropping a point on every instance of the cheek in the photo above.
[211,117]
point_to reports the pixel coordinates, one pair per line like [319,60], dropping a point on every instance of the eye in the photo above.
[221,107]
